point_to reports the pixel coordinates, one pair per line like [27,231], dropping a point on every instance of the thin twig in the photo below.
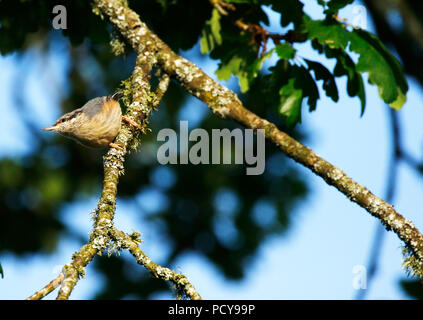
[221,5]
[47,289]
[161,89]
[260,35]
[181,282]
[75,269]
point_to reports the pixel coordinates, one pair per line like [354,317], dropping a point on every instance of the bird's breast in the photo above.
[101,129]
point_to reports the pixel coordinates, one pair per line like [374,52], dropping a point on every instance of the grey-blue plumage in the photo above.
[94,106]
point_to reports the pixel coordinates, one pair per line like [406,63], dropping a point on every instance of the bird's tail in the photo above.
[115,96]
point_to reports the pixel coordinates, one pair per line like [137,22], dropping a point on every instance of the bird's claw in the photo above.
[131,122]
[116,146]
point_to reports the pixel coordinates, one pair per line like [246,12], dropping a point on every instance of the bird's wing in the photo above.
[94,106]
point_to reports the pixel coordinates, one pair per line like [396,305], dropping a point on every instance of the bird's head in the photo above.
[66,123]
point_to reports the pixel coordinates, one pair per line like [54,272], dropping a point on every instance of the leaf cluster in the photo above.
[294,79]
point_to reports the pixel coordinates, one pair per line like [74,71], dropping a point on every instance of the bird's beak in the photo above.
[51,128]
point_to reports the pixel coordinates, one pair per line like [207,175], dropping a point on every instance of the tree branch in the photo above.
[125,241]
[75,269]
[225,104]
[138,111]
[48,288]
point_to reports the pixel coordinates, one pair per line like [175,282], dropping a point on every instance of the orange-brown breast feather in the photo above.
[109,106]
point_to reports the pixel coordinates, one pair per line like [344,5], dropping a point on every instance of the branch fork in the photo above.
[104,231]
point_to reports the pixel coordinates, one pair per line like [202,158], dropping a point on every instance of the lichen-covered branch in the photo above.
[71,276]
[138,111]
[48,288]
[181,282]
[142,103]
[161,89]
[225,103]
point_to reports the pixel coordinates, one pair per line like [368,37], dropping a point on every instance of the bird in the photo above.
[94,125]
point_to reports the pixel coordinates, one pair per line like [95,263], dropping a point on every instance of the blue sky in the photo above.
[329,236]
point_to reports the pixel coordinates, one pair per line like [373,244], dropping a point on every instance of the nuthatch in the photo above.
[94,125]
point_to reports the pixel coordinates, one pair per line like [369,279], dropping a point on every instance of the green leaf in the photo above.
[254,69]
[285,51]
[355,86]
[210,36]
[392,83]
[383,69]
[290,103]
[1,271]
[322,73]
[345,66]
[292,84]
[399,102]
[306,82]
[334,35]
[225,71]
[242,67]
